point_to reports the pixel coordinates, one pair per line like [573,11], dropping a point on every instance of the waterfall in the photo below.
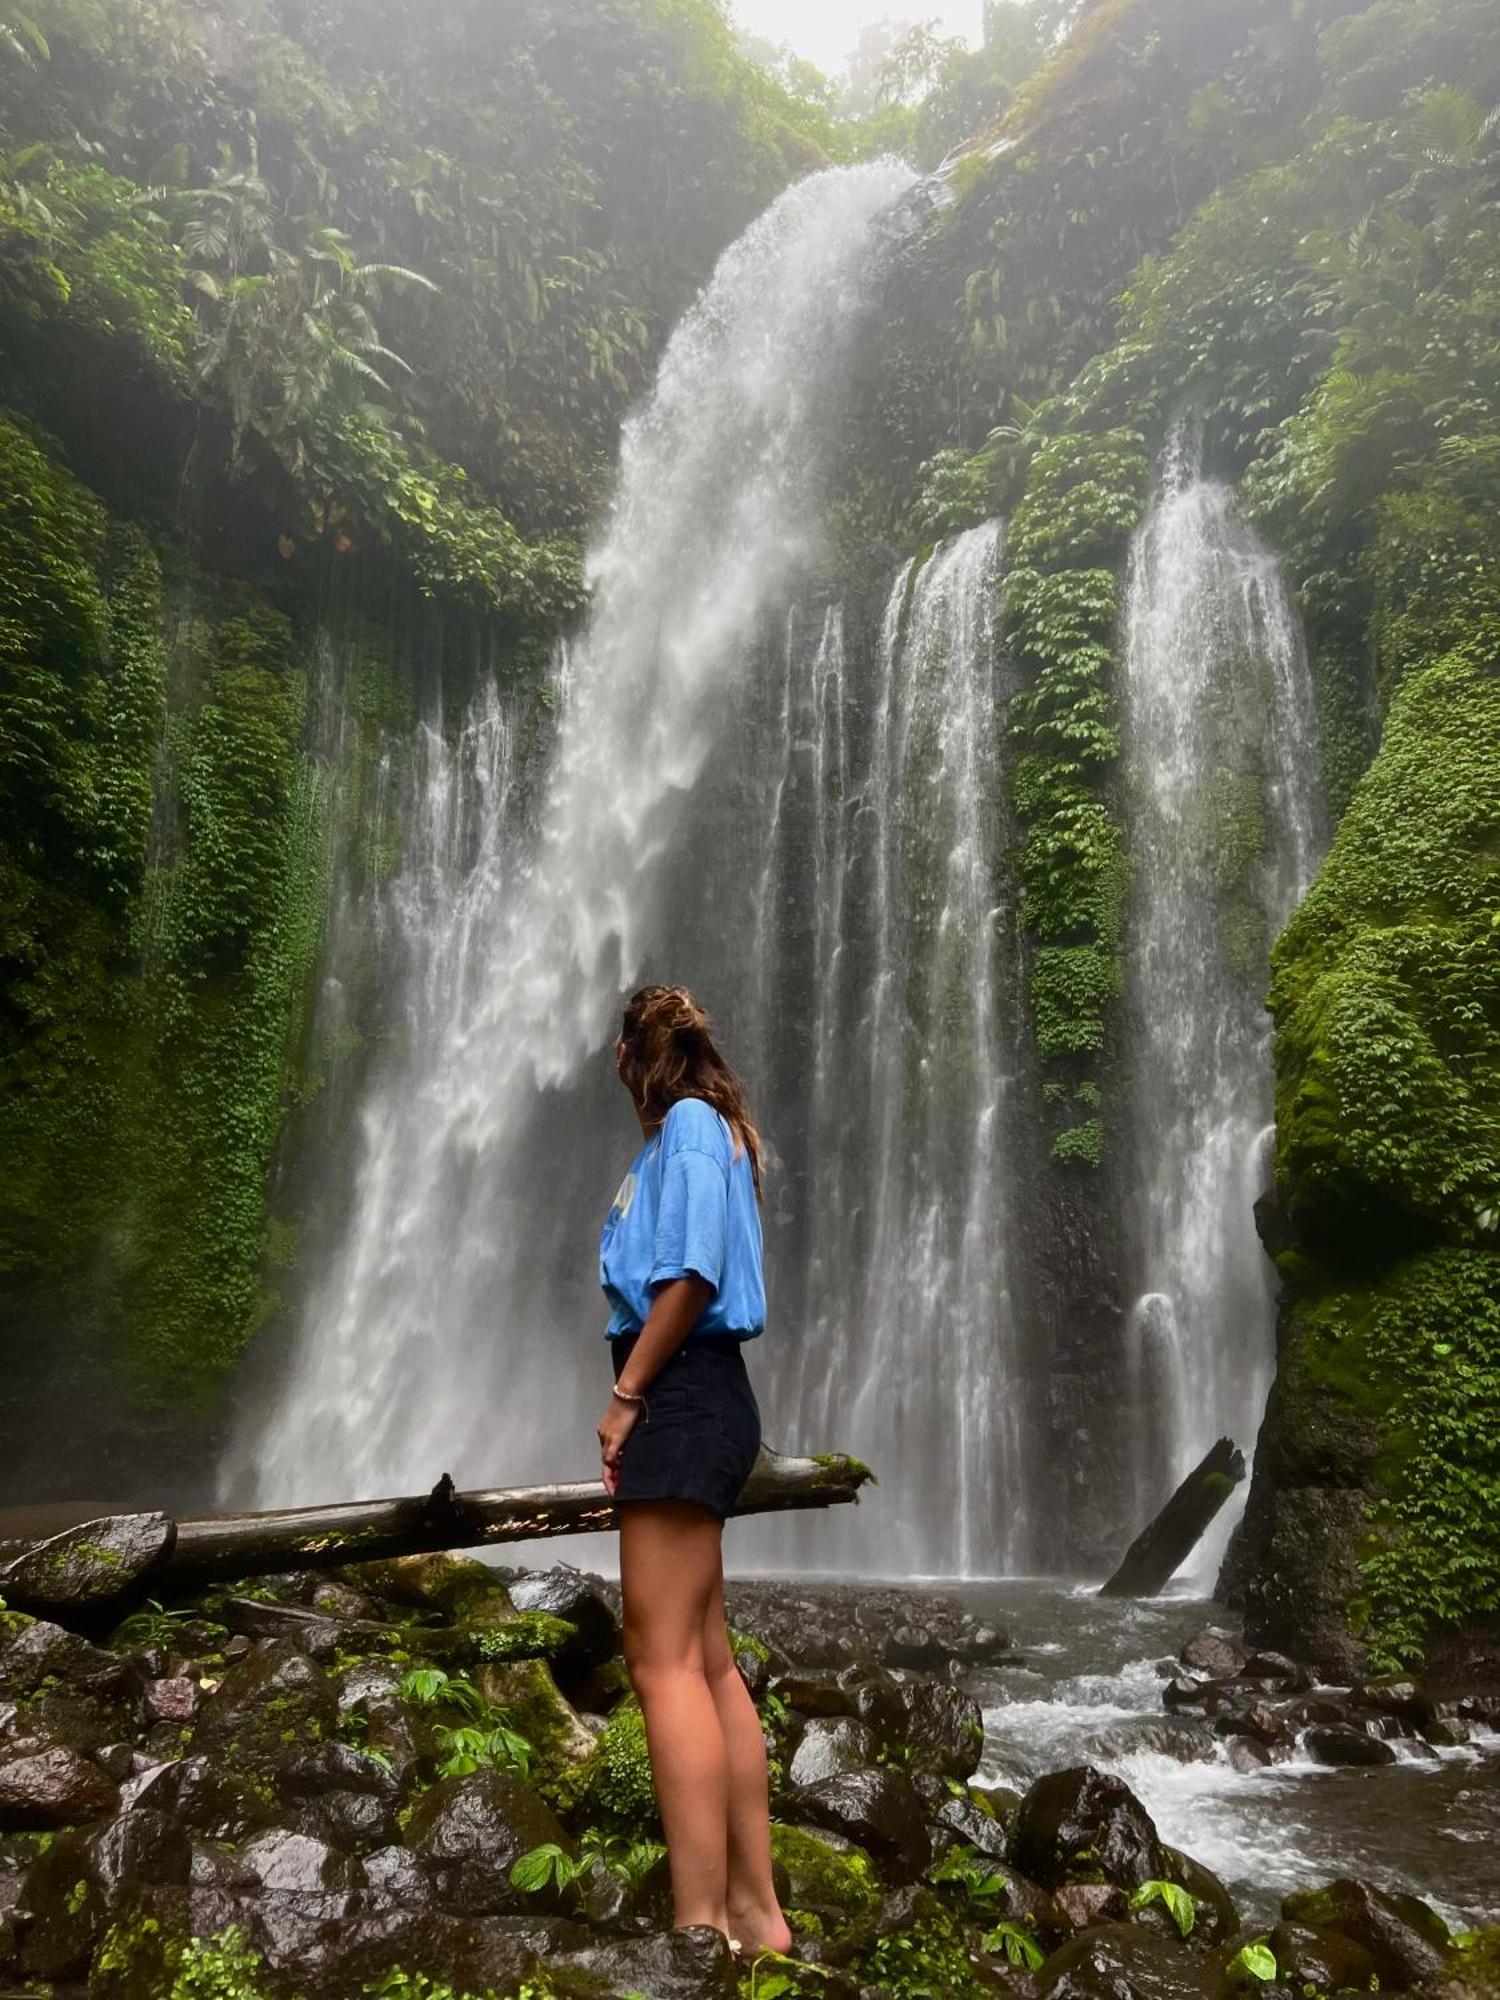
[455,1326]
[881,996]
[1226,832]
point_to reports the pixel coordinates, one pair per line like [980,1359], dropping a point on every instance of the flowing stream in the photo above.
[1226,833]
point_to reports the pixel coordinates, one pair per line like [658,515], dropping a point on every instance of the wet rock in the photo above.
[313,1770]
[1326,1960]
[1214,1653]
[1397,1696]
[1022,1901]
[45,1653]
[52,1788]
[692,1964]
[824,1872]
[830,1746]
[1257,1720]
[536,1705]
[1086,1903]
[468,1833]
[813,1694]
[341,1600]
[567,1593]
[1445,1732]
[289,1625]
[1216,1917]
[1082,1824]
[943,1728]
[83,1880]
[274,1701]
[1344,1745]
[974,1826]
[236,1648]
[297,1862]
[1246,1754]
[1473,1974]
[395,1875]
[1283,1672]
[201,1796]
[1406,1939]
[1181,1692]
[878,1810]
[912,1645]
[90,1563]
[174,1698]
[351,1821]
[1127,1962]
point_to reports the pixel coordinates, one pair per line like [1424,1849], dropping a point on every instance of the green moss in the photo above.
[619,1788]
[823,1876]
[524,1635]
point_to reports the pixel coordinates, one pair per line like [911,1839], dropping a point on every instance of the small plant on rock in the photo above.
[1253,1961]
[1016,1941]
[976,1883]
[1179,1904]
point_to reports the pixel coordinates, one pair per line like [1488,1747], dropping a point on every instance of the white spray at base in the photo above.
[1226,833]
[421,1348]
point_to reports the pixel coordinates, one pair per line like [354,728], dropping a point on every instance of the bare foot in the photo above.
[761,1930]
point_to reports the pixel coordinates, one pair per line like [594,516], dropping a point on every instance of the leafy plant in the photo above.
[1178,1903]
[1017,1942]
[1255,1960]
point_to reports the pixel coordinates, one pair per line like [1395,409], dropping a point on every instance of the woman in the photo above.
[680,1261]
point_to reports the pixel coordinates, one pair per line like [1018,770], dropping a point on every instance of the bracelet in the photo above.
[624,1396]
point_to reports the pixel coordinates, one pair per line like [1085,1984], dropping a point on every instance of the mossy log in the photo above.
[1160,1550]
[50,1563]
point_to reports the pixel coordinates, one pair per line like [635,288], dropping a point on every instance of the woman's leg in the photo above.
[754,1913]
[669,1567]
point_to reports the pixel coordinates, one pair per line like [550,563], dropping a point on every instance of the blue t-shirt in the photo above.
[687,1206]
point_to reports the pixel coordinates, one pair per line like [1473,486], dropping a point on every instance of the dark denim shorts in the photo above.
[700,1431]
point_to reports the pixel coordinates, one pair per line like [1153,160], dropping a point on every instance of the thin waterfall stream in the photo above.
[1226,829]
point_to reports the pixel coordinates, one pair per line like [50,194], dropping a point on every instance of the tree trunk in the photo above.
[1160,1550]
[104,1559]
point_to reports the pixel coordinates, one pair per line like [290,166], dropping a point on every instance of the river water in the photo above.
[1090,1693]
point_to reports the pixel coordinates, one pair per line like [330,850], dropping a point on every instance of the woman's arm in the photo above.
[675,1310]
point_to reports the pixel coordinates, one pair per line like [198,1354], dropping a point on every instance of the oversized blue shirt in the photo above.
[687,1206]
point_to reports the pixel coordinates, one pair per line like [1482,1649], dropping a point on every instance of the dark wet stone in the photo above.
[692,1964]
[1406,1939]
[912,1645]
[215,1867]
[567,1593]
[879,1810]
[1284,1672]
[351,1821]
[45,1652]
[173,1698]
[91,1563]
[468,1832]
[1257,1719]
[1214,1653]
[943,1729]
[1181,1692]
[84,1879]
[1395,1695]
[974,1826]
[1246,1754]
[202,1797]
[1216,1917]
[1445,1732]
[1082,1824]
[53,1788]
[297,1862]
[1343,1745]
[830,1746]
[274,1701]
[291,1625]
[1087,1903]
[342,1600]
[395,1874]
[1127,1962]
[1306,1956]
[311,1770]
[1022,1901]
[237,1648]
[813,1694]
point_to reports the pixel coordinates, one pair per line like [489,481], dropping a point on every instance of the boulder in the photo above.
[84,1880]
[913,1645]
[538,1708]
[1083,1825]
[691,1964]
[1088,1903]
[469,1832]
[1397,1696]
[44,1653]
[962,1814]
[52,1788]
[1214,1653]
[810,1693]
[350,1821]
[1472,1974]
[877,1809]
[830,1746]
[1183,1692]
[566,1593]
[273,1702]
[201,1796]
[395,1875]
[1341,1744]
[1257,1720]
[1407,1940]
[1216,1917]
[943,1728]
[1286,1674]
[296,1862]
[1326,1960]
[1246,1754]
[92,1563]
[824,1873]
[1127,1962]
[173,1698]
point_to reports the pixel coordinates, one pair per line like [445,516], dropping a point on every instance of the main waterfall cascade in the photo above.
[1226,831]
[447,1328]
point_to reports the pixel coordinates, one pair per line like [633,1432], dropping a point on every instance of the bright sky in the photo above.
[826,30]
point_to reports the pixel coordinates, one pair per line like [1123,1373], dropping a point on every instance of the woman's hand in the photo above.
[615,1427]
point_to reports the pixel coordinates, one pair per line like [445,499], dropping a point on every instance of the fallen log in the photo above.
[106,1560]
[1160,1550]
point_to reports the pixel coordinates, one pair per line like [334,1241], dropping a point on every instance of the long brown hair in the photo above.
[668,1053]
